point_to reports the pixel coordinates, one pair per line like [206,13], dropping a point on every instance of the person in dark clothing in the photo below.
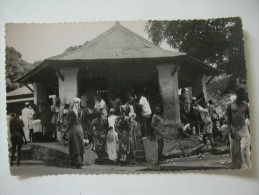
[76,135]
[194,116]
[17,135]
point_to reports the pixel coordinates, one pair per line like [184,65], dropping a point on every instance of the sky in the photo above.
[40,41]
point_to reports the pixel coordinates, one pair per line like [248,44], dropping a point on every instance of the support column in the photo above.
[39,93]
[199,86]
[168,85]
[68,89]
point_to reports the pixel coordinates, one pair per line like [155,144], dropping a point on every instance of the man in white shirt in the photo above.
[26,114]
[146,115]
[100,105]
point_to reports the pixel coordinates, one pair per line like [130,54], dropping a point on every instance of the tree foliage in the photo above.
[73,48]
[218,42]
[15,67]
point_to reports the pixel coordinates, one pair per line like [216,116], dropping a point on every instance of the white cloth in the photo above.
[146,110]
[101,106]
[205,116]
[112,139]
[240,147]
[32,112]
[37,127]
[111,121]
[26,112]
[131,109]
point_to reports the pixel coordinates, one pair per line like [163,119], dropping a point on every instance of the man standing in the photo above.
[208,126]
[26,115]
[146,115]
[17,135]
[115,102]
[240,141]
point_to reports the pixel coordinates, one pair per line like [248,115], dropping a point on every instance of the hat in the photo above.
[193,98]
[112,111]
[76,100]
[27,104]
[66,102]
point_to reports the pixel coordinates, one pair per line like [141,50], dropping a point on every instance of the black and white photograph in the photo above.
[127,97]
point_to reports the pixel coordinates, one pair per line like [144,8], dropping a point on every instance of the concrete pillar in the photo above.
[39,93]
[199,86]
[68,89]
[168,85]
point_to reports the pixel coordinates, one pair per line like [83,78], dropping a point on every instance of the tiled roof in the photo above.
[117,43]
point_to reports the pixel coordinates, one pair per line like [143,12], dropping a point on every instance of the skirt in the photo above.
[76,141]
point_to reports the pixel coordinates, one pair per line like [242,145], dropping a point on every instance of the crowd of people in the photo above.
[113,131]
[231,127]
[110,131]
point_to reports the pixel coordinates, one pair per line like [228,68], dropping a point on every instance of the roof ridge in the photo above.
[139,38]
[128,32]
[90,43]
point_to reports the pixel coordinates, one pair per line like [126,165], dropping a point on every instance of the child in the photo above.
[37,128]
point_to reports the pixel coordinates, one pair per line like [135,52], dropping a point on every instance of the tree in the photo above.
[218,42]
[15,67]
[73,48]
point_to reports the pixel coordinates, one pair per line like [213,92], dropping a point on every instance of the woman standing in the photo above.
[99,127]
[76,138]
[133,128]
[158,125]
[112,137]
[62,121]
[55,110]
[122,127]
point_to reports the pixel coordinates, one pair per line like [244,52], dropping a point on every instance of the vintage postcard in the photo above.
[127,97]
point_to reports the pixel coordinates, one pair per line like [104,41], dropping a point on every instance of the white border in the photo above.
[195,182]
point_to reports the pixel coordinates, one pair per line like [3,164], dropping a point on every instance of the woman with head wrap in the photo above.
[76,138]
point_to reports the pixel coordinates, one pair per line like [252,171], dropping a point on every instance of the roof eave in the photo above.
[32,72]
[212,70]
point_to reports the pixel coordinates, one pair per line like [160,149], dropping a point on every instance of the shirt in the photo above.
[146,110]
[205,116]
[111,120]
[115,104]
